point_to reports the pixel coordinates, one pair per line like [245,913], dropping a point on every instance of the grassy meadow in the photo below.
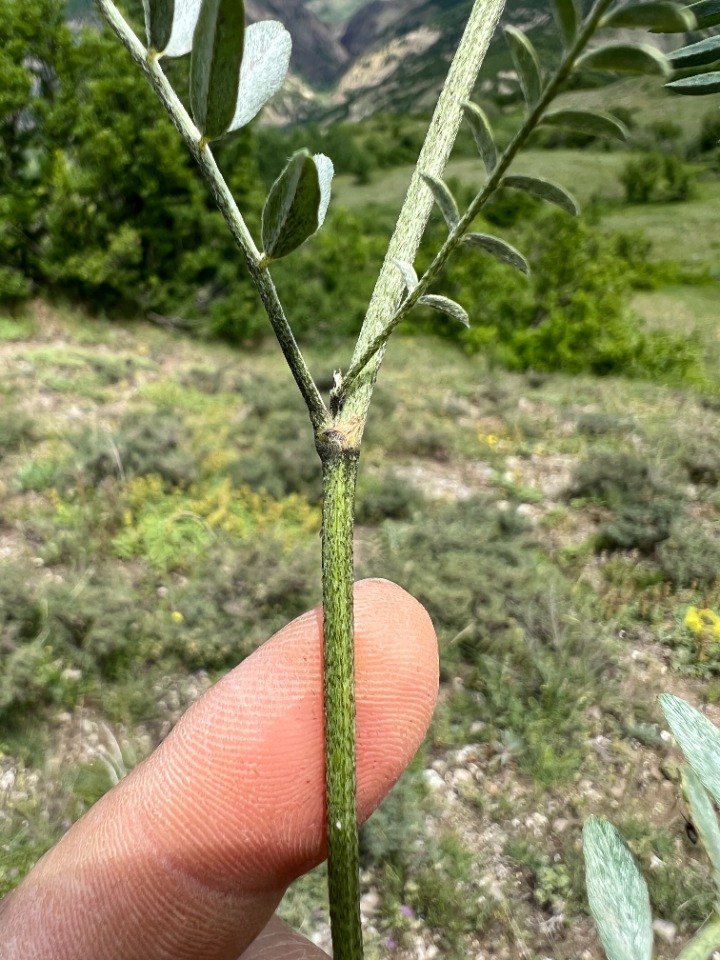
[159,519]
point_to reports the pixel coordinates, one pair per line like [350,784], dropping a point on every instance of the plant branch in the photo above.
[339,457]
[418,202]
[376,344]
[226,203]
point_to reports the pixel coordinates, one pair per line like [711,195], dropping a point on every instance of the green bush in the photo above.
[656,178]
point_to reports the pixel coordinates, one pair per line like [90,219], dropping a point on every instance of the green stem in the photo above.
[704,943]
[376,344]
[339,457]
[150,65]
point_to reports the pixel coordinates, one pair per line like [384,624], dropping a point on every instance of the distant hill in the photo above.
[388,55]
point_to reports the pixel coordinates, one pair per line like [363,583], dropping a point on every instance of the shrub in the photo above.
[690,556]
[656,178]
[384,497]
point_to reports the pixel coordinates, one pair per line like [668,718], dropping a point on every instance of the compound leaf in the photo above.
[697,86]
[482,133]
[264,68]
[662,16]
[707,13]
[446,306]
[587,121]
[297,203]
[444,199]
[696,54]
[567,17]
[698,739]
[544,190]
[526,63]
[500,249]
[408,274]
[626,58]
[617,893]
[217,54]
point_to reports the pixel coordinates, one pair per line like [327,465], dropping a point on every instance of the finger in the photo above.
[189,855]
[278,941]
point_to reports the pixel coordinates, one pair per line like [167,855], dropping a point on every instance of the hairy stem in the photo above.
[355,397]
[367,359]
[226,203]
[339,458]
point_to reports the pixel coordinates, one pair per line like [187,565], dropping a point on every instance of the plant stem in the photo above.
[339,456]
[376,344]
[354,398]
[226,203]
[704,943]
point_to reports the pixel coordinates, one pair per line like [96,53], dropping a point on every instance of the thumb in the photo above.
[189,856]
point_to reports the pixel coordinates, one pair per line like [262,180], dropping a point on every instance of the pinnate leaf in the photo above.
[296,205]
[617,893]
[697,86]
[626,58]
[526,63]
[567,17]
[264,68]
[446,306]
[587,121]
[408,274]
[482,133]
[704,818]
[707,13]
[444,199]
[544,190]
[697,54]
[217,54]
[698,739]
[662,16]
[500,249]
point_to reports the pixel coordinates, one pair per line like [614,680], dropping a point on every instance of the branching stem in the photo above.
[550,91]
[150,65]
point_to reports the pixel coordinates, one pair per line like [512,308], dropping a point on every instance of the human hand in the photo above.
[188,857]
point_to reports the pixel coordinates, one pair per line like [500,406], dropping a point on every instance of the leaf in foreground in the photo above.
[707,13]
[587,121]
[408,274]
[500,249]
[697,54]
[444,199]
[217,54]
[626,58]
[159,16]
[482,133]
[544,190]
[617,893]
[704,819]
[698,739]
[446,306]
[698,86]
[662,16]
[527,64]
[567,17]
[264,67]
[297,203]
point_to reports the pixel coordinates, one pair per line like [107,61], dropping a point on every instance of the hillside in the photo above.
[159,522]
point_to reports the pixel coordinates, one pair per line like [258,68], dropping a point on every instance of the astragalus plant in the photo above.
[234,71]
